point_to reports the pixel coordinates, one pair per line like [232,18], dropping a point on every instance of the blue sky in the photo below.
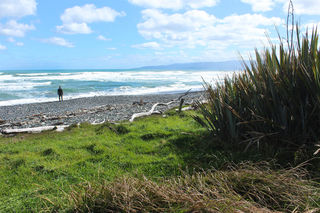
[104,34]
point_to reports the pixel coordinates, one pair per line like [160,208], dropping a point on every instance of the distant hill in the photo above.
[221,66]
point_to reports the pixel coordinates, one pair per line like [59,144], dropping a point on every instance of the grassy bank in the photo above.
[82,167]
[37,166]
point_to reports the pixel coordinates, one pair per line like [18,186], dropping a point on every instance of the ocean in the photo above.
[20,87]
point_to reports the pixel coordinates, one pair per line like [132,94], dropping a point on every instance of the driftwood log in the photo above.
[58,128]
[34,129]
[153,111]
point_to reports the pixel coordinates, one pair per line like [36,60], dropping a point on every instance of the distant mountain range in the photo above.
[216,66]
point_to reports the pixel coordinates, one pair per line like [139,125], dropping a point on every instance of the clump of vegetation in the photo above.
[245,187]
[17,163]
[152,136]
[276,99]
[72,126]
[48,151]
[119,129]
[93,149]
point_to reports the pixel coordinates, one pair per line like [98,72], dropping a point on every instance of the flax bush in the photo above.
[276,99]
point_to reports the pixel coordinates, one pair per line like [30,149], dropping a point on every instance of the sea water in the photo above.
[20,87]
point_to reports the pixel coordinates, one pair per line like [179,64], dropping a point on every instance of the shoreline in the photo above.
[95,109]
[14,102]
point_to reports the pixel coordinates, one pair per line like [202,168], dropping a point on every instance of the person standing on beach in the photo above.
[60,94]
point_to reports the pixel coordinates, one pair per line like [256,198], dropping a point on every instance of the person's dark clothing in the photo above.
[60,94]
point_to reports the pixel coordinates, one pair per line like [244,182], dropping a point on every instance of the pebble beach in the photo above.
[96,109]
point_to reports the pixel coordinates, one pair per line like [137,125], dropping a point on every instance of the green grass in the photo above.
[46,165]
[70,170]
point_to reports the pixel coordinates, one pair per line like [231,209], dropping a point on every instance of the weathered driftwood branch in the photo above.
[58,128]
[152,110]
[192,106]
[185,94]
[34,129]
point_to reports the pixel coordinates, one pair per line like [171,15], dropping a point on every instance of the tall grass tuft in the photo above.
[242,188]
[276,99]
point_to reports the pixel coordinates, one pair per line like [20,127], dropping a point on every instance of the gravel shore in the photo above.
[92,109]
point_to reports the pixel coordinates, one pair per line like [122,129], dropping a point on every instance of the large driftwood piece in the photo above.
[34,129]
[152,111]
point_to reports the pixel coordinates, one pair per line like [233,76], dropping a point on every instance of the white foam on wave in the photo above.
[125,90]
[33,74]
[26,101]
[174,88]
[17,86]
[128,76]
[46,99]
[169,81]
[6,77]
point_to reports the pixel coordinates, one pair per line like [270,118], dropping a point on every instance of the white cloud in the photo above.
[76,19]
[58,41]
[2,47]
[102,38]
[13,28]
[17,8]
[260,5]
[198,28]
[74,28]
[10,39]
[196,4]
[19,44]
[88,14]
[111,48]
[163,26]
[148,45]
[174,4]
[308,7]
[166,4]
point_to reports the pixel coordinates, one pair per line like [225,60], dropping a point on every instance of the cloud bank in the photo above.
[16,9]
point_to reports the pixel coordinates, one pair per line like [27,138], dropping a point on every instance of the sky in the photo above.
[120,34]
